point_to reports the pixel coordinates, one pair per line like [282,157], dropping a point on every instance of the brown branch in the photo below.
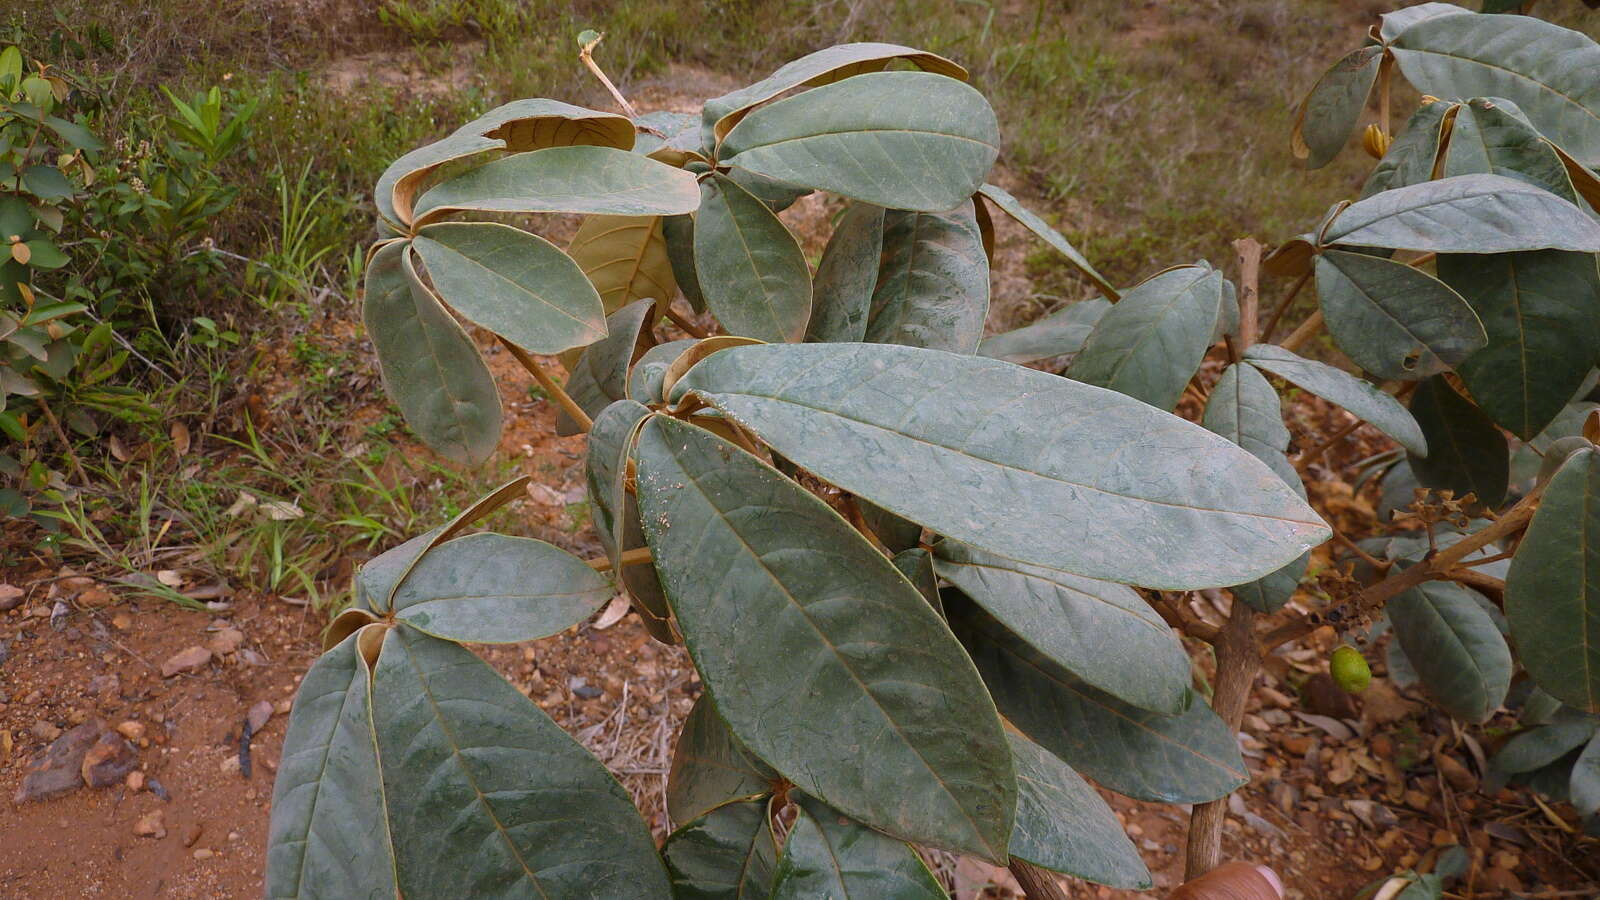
[1494,588]
[684,322]
[587,55]
[1310,456]
[1193,627]
[1434,566]
[634,557]
[61,435]
[1307,330]
[550,387]
[1283,306]
[1036,883]
[1238,655]
[1238,659]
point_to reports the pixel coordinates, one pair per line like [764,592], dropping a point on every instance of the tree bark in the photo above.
[1036,883]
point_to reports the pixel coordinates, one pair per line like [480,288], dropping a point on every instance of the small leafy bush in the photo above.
[99,243]
[928,589]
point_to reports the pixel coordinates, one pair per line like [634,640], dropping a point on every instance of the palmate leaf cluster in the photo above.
[908,570]
[1494,173]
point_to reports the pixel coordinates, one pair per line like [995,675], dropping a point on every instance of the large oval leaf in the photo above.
[1190,758]
[1245,409]
[710,767]
[567,180]
[1057,334]
[616,513]
[328,836]
[824,66]
[517,126]
[1585,780]
[498,589]
[727,854]
[1360,398]
[779,623]
[1490,134]
[600,376]
[828,855]
[679,234]
[1410,159]
[846,276]
[902,140]
[1541,311]
[1553,589]
[1030,220]
[933,284]
[518,285]
[750,269]
[379,577]
[431,369]
[1017,462]
[1150,343]
[649,372]
[1539,747]
[529,811]
[1545,69]
[1329,113]
[1466,452]
[1455,648]
[1465,214]
[625,258]
[1102,632]
[1065,826]
[1391,319]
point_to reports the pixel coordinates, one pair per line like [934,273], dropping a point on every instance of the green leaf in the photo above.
[710,767]
[843,287]
[1360,398]
[78,136]
[1064,825]
[921,434]
[379,577]
[1466,452]
[1150,343]
[897,534]
[788,585]
[750,269]
[933,285]
[727,854]
[1391,24]
[902,140]
[1245,409]
[1057,334]
[431,369]
[1031,221]
[828,855]
[1455,648]
[44,255]
[644,382]
[1411,157]
[600,376]
[47,183]
[916,564]
[1465,214]
[616,513]
[1103,633]
[529,811]
[496,589]
[1553,589]
[1330,112]
[1543,68]
[1585,780]
[1539,747]
[517,285]
[517,126]
[1391,319]
[1190,758]
[679,234]
[566,180]
[1541,311]
[329,836]
[679,135]
[824,66]
[625,258]
[1490,134]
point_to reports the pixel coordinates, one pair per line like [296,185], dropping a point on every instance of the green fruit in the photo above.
[1349,670]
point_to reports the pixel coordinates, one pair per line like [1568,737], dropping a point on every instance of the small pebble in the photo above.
[202,853]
